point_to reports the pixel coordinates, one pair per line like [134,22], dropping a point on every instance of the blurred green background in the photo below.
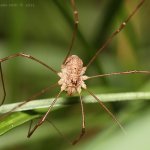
[43,29]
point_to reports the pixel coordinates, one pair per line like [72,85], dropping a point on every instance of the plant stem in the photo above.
[45,103]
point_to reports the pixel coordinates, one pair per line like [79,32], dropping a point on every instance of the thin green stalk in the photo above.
[45,103]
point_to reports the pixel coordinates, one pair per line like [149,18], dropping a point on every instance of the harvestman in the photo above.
[72,78]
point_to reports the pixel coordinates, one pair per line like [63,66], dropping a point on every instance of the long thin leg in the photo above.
[54,126]
[83,123]
[40,122]
[29,57]
[120,73]
[107,110]
[31,98]
[107,42]
[3,85]
[59,132]
[30,126]
[76,21]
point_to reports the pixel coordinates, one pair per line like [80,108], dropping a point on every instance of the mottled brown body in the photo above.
[72,75]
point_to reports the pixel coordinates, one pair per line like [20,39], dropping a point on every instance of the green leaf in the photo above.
[35,109]
[16,119]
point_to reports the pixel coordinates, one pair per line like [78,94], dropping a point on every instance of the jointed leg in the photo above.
[31,98]
[3,85]
[29,57]
[107,110]
[76,21]
[54,126]
[120,73]
[107,42]
[40,122]
[83,123]
[21,55]
[59,132]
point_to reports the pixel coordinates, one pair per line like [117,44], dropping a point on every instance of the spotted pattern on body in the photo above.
[72,75]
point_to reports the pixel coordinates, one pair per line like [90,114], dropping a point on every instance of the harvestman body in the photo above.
[72,75]
[72,78]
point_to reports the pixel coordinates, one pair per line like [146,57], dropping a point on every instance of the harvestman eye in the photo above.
[72,76]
